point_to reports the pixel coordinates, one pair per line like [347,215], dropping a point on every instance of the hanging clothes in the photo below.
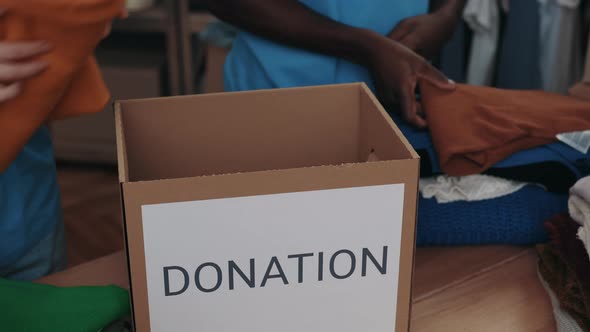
[561,49]
[483,16]
[452,60]
[475,127]
[518,65]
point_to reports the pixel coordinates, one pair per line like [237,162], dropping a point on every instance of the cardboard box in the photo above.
[260,211]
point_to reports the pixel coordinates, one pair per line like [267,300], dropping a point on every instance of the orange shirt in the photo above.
[72,83]
[474,127]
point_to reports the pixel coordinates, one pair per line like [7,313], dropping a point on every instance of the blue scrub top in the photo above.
[29,199]
[256,63]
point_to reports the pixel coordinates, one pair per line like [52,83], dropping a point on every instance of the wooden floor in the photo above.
[455,289]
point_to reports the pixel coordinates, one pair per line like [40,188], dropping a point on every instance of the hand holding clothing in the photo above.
[16,65]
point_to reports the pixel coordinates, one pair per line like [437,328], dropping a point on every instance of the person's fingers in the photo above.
[14,72]
[434,76]
[14,51]
[420,111]
[408,104]
[124,14]
[10,91]
[401,30]
[410,42]
[384,95]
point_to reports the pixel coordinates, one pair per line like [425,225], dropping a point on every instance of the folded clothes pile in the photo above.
[493,166]
[564,262]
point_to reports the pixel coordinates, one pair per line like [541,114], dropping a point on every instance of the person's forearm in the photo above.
[291,23]
[453,8]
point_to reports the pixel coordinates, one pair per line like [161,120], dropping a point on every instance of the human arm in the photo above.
[395,69]
[427,34]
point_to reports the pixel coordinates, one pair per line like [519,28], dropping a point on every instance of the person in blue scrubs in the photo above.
[32,241]
[385,43]
[31,226]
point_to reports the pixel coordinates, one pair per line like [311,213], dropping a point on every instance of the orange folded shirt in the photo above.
[72,83]
[474,127]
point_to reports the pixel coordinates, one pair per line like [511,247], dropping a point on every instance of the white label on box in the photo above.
[324,260]
[579,140]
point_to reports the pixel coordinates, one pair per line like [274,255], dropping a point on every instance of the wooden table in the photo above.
[455,289]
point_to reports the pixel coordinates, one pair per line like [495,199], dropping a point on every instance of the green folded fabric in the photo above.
[26,306]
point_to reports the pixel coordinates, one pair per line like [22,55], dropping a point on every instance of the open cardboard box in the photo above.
[274,210]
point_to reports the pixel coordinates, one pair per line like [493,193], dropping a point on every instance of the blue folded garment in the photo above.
[574,164]
[513,219]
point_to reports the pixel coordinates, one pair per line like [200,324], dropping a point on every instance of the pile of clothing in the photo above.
[496,163]
[564,262]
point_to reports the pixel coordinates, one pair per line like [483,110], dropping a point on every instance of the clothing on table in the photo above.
[513,219]
[579,209]
[519,47]
[564,322]
[447,189]
[258,63]
[541,173]
[475,127]
[562,285]
[483,16]
[42,308]
[72,83]
[30,209]
[564,265]
[566,268]
[579,204]
[561,49]
[534,165]
[579,140]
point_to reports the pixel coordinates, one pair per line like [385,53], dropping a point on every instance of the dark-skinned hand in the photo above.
[397,72]
[425,34]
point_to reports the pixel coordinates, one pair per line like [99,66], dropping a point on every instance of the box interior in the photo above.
[213,134]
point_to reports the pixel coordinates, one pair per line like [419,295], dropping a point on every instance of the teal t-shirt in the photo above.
[256,63]
[29,199]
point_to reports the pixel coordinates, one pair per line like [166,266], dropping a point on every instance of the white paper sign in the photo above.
[324,260]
